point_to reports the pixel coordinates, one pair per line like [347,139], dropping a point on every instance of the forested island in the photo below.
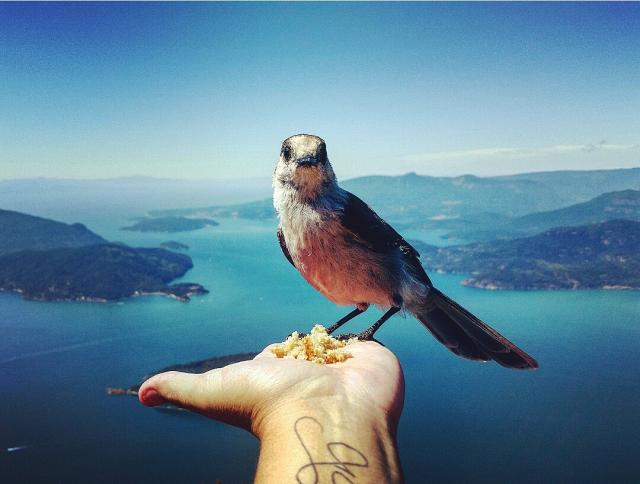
[46,260]
[105,272]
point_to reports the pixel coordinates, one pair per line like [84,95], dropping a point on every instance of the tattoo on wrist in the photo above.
[346,458]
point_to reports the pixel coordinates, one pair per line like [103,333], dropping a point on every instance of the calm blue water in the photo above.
[576,419]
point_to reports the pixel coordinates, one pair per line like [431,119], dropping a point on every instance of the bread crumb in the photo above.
[318,346]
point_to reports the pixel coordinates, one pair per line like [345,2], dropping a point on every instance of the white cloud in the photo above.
[502,153]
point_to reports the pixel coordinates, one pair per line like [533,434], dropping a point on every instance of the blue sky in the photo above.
[210,90]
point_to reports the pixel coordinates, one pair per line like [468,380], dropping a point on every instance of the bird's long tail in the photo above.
[465,335]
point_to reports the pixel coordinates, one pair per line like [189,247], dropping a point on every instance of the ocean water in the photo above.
[576,419]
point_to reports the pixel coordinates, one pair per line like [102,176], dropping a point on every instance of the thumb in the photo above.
[226,394]
[182,389]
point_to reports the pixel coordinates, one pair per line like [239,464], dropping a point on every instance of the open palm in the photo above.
[246,393]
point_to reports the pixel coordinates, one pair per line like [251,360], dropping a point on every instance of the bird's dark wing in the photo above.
[283,246]
[376,234]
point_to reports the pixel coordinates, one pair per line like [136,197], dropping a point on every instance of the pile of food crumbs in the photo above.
[318,347]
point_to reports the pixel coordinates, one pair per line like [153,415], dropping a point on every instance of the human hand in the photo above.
[245,393]
[344,414]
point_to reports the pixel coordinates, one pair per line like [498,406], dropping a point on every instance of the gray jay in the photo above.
[353,257]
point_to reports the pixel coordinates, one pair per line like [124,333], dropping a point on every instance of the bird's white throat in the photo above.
[300,216]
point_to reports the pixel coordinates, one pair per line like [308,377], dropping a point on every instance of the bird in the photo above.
[349,254]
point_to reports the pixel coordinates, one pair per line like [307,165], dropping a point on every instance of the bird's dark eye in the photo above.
[286,153]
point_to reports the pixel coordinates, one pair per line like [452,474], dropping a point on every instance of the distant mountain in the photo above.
[455,203]
[19,231]
[582,185]
[441,201]
[70,199]
[601,255]
[609,206]
[414,197]
[103,272]
[171,224]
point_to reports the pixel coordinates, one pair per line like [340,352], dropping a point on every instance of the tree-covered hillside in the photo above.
[19,231]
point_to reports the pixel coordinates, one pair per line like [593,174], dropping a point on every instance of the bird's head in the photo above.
[304,165]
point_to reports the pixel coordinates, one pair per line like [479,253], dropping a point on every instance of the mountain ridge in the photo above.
[463,204]
[624,204]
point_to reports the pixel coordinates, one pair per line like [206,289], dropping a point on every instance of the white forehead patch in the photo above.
[303,144]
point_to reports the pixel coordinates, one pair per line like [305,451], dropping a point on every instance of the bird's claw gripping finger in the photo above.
[364,336]
[347,336]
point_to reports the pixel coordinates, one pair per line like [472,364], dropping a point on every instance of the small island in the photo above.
[173,245]
[171,224]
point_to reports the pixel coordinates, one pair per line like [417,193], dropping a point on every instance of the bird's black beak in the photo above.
[307,161]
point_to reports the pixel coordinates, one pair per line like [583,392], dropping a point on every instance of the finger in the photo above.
[267,352]
[228,394]
[182,389]
[370,348]
[371,354]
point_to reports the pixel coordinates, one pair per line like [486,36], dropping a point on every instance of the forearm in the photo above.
[327,441]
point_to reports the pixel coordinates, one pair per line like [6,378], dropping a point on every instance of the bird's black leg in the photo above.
[367,335]
[348,317]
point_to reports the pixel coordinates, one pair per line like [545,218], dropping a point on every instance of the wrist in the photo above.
[322,436]
[340,411]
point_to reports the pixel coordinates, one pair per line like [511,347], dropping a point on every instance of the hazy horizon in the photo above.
[260,178]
